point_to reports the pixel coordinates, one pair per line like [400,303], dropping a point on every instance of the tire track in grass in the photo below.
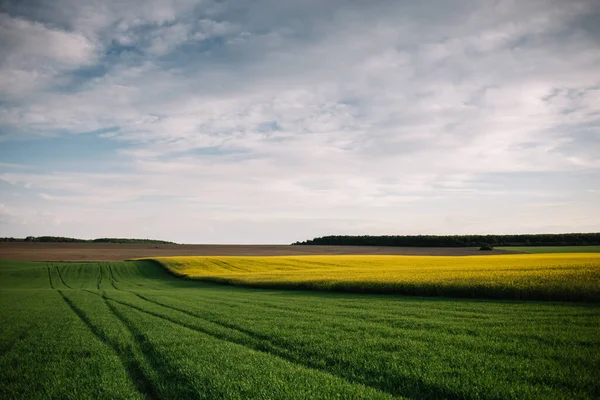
[99,276]
[184,388]
[188,313]
[262,345]
[125,355]
[50,277]
[131,280]
[124,278]
[106,277]
[61,277]
[258,305]
[301,311]
[288,311]
[418,388]
[266,345]
[214,321]
[258,336]
[6,349]
[112,277]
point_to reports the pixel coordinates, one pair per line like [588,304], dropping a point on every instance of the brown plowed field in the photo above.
[119,252]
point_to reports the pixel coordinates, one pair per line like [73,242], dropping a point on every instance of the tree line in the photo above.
[560,239]
[61,239]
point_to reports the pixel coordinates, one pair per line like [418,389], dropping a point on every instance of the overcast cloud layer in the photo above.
[275,121]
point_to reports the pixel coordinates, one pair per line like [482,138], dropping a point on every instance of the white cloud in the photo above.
[33,53]
[26,43]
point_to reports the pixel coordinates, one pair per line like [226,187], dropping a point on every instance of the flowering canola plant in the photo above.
[570,276]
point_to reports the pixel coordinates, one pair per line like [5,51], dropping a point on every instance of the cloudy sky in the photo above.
[273,121]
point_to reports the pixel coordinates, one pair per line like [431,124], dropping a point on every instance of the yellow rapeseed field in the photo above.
[573,276]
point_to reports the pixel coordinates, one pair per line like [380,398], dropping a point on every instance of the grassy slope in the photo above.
[521,276]
[552,249]
[130,330]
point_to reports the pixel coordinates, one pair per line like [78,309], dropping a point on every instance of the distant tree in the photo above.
[60,239]
[486,246]
[560,239]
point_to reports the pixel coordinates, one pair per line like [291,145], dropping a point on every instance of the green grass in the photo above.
[130,330]
[552,249]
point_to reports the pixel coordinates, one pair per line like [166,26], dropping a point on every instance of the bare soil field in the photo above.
[120,252]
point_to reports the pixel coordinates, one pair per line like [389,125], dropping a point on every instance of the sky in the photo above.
[273,121]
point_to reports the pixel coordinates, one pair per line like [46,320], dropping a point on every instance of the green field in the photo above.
[131,330]
[552,249]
